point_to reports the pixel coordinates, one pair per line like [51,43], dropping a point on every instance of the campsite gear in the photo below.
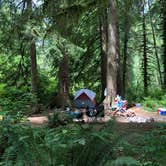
[119,104]
[138,105]
[161,111]
[105,92]
[85,98]
[74,114]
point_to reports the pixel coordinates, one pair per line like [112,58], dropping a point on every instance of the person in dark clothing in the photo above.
[89,111]
[99,110]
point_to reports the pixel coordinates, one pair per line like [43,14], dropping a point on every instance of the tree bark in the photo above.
[145,61]
[64,76]
[33,59]
[113,53]
[125,56]
[103,43]
[125,47]
[155,47]
[64,81]
[34,72]
[164,43]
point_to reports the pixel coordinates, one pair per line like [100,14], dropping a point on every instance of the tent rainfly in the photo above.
[85,98]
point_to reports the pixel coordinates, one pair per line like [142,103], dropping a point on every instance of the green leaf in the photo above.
[125,160]
[64,131]
[63,145]
[81,141]
[23,138]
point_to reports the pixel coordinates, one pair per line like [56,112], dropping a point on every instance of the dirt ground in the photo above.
[140,116]
[140,113]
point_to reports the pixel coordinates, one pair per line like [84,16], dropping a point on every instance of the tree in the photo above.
[155,46]
[145,59]
[103,43]
[113,53]
[126,27]
[64,77]
[164,40]
[34,72]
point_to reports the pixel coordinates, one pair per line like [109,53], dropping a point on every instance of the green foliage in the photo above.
[65,145]
[76,144]
[58,118]
[155,100]
[47,87]
[61,142]
[14,101]
[125,161]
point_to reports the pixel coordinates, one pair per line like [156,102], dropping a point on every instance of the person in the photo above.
[89,111]
[99,110]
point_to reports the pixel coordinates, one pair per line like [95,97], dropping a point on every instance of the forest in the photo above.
[54,51]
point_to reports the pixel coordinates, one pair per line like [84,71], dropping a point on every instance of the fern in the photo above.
[124,161]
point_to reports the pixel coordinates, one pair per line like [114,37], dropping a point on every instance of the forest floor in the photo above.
[141,116]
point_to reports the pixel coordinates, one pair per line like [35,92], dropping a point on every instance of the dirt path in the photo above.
[139,112]
[38,120]
[146,114]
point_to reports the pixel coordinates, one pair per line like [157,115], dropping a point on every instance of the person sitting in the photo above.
[99,110]
[89,111]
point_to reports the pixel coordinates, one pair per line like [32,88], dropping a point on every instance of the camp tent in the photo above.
[85,98]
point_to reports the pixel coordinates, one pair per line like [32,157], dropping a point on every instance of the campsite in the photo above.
[82,83]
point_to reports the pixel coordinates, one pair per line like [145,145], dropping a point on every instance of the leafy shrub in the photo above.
[14,100]
[153,104]
[67,145]
[58,118]
[75,144]
[125,160]
[156,93]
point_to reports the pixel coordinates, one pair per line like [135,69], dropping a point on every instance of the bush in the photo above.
[152,104]
[77,145]
[14,101]
[67,145]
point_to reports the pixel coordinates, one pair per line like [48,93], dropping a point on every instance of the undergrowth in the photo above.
[14,101]
[81,144]
[152,104]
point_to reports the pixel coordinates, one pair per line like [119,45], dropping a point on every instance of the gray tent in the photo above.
[85,98]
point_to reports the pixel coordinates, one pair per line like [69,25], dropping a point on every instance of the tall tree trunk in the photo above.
[113,53]
[34,72]
[118,77]
[155,47]
[164,42]
[126,25]
[103,42]
[64,76]
[33,60]
[145,62]
[125,47]
[64,82]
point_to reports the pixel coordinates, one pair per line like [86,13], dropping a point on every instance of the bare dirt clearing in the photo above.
[140,117]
